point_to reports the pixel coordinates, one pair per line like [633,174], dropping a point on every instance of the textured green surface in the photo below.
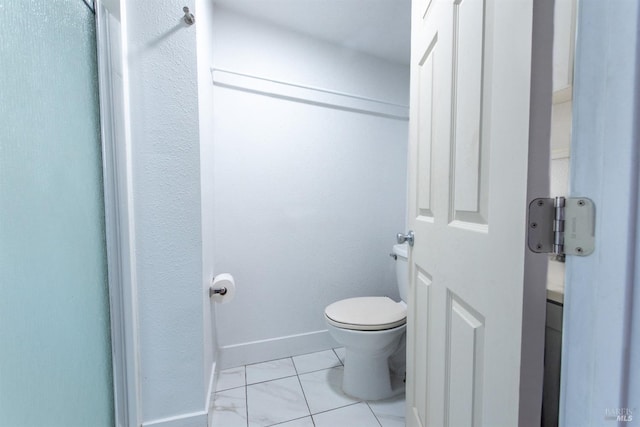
[55,357]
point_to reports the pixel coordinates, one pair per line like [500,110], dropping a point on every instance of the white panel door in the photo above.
[480,108]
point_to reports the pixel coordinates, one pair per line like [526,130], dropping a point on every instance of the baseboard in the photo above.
[213,379]
[274,348]
[194,419]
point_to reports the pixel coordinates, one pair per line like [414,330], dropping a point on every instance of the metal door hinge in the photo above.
[562,226]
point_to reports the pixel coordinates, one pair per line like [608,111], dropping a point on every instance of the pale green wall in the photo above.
[55,356]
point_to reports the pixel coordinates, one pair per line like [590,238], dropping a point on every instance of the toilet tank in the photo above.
[402,269]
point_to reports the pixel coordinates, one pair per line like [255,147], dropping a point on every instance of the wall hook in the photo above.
[189,19]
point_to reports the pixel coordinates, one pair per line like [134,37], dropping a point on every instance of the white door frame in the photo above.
[601,349]
[119,227]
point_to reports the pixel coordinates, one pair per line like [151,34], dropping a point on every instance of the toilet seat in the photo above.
[366,313]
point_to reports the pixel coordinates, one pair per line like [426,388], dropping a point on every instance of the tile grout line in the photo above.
[273,379]
[303,393]
[340,407]
[269,361]
[339,360]
[295,419]
[318,370]
[246,395]
[352,404]
[321,369]
[374,414]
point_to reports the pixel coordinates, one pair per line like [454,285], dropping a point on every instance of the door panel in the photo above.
[422,287]
[469,177]
[425,128]
[464,359]
[468,27]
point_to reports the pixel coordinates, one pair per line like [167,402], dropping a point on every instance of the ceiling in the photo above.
[377,27]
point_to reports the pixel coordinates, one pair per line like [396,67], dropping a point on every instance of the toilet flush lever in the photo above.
[401,238]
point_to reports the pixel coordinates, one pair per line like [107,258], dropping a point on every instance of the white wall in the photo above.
[307,198]
[248,46]
[161,97]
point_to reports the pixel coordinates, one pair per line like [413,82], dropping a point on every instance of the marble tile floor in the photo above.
[298,391]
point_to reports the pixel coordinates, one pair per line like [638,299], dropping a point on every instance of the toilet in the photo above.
[372,330]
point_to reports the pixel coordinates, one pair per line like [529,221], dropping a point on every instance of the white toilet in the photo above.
[371,329]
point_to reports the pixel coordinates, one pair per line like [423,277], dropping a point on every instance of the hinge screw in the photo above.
[534,225]
[540,203]
[579,250]
[538,246]
[581,203]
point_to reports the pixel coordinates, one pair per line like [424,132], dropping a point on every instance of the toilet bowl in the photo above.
[371,329]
